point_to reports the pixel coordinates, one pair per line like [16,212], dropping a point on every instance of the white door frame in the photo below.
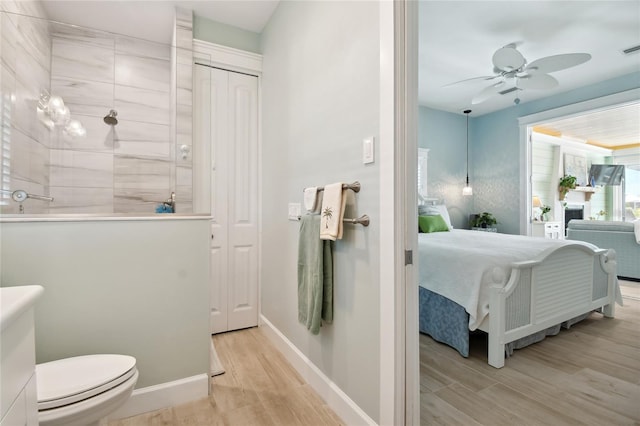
[230,59]
[399,368]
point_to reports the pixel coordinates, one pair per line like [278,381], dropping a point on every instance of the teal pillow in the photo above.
[432,224]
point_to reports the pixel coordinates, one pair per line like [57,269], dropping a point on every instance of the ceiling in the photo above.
[125,16]
[457,41]
[612,128]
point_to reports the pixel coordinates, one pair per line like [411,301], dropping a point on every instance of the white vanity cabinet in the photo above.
[18,394]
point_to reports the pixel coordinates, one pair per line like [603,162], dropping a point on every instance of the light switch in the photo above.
[295,210]
[368,150]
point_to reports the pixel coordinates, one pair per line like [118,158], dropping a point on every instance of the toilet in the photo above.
[82,390]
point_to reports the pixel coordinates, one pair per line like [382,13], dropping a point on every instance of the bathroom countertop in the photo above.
[15,300]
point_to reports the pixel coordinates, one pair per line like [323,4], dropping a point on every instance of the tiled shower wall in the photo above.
[126,168]
[122,168]
[183,56]
[25,52]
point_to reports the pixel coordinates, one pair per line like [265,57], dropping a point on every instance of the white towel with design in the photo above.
[332,212]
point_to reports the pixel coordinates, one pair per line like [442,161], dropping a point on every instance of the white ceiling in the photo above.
[458,39]
[611,128]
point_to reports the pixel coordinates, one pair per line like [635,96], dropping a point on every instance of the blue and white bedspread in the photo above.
[461,265]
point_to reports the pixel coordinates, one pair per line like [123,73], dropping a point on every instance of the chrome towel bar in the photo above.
[362,220]
[355,186]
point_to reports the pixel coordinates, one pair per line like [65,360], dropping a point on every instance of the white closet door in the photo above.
[226,156]
[212,111]
[243,201]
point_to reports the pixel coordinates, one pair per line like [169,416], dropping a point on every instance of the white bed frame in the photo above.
[560,284]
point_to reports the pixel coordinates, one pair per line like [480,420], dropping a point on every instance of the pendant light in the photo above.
[467,190]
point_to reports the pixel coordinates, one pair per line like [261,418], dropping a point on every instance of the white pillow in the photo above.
[439,209]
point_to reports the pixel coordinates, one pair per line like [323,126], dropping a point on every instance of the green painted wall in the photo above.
[139,288]
[216,32]
[318,105]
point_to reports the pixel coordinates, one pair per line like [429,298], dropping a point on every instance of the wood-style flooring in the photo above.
[587,375]
[259,387]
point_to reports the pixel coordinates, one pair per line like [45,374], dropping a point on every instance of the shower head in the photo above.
[110,118]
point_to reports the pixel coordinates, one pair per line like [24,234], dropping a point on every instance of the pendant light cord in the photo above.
[467,113]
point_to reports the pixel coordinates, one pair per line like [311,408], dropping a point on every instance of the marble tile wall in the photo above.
[184,109]
[130,167]
[25,56]
[127,166]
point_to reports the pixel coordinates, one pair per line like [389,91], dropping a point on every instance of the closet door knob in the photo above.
[212,236]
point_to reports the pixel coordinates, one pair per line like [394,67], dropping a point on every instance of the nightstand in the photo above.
[551,230]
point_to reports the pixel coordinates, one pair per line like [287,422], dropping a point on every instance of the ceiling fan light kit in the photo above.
[511,67]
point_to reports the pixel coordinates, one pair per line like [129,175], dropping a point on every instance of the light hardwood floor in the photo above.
[587,375]
[259,387]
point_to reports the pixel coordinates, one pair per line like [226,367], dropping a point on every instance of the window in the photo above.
[632,192]
[630,200]
[423,157]
[5,148]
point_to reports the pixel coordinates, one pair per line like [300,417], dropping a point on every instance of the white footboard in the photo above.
[560,284]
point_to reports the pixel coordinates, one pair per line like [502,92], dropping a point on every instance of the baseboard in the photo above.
[335,398]
[164,395]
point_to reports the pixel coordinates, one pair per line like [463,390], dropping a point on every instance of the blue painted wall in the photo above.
[494,151]
[444,134]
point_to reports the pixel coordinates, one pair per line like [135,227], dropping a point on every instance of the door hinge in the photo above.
[408,257]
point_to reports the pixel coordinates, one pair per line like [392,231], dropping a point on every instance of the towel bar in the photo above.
[362,220]
[355,186]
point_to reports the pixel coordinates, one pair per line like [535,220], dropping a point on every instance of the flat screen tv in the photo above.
[606,174]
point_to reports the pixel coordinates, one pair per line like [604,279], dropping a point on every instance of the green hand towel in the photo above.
[315,275]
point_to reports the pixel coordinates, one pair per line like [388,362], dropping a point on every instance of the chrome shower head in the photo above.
[110,118]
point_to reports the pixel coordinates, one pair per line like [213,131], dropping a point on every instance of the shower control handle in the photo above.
[19,195]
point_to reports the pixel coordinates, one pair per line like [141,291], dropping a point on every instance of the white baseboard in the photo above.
[335,398]
[164,395]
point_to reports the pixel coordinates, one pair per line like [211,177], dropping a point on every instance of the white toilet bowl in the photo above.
[80,391]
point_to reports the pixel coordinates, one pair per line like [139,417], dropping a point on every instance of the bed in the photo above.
[517,289]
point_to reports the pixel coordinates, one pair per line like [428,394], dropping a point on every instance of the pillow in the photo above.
[439,209]
[432,224]
[422,209]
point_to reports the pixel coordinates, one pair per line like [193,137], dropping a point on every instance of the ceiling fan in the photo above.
[511,68]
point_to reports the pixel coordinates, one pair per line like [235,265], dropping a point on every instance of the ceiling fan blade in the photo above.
[558,62]
[508,59]
[487,92]
[486,77]
[536,81]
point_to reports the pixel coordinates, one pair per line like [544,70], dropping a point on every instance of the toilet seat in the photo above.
[67,381]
